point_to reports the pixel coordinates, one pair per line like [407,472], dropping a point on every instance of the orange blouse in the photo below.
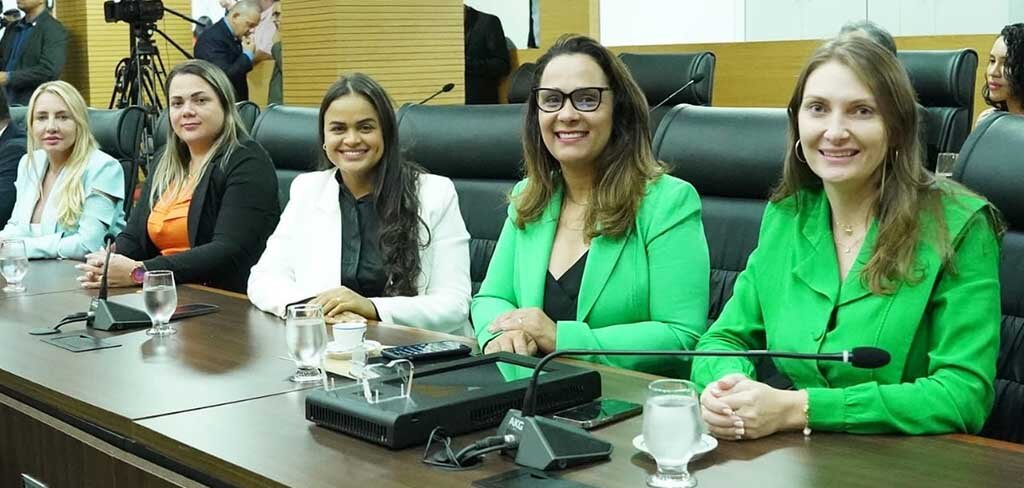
[168,223]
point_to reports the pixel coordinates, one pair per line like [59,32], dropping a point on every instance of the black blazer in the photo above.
[220,47]
[42,57]
[234,210]
[12,148]
[487,56]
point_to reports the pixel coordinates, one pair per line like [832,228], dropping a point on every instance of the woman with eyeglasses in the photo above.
[601,249]
[1004,76]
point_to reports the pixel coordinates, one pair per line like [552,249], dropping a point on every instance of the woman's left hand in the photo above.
[119,273]
[343,299]
[533,321]
[764,410]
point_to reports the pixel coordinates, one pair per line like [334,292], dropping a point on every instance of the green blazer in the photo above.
[645,290]
[42,57]
[942,332]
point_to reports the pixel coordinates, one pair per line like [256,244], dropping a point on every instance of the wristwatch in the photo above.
[139,273]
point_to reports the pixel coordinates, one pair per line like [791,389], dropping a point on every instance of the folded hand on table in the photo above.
[736,407]
[342,299]
[119,272]
[523,331]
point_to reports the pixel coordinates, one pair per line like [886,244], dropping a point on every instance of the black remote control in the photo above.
[427,350]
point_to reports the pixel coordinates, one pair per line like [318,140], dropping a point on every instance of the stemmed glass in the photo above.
[161,299]
[672,429]
[13,264]
[945,163]
[306,335]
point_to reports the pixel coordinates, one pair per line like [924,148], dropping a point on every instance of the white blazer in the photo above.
[303,256]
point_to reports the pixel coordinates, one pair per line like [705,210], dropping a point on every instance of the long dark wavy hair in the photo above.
[1013,68]
[395,190]
[624,167]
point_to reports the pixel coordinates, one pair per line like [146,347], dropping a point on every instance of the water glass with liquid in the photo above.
[161,299]
[672,429]
[306,336]
[13,264]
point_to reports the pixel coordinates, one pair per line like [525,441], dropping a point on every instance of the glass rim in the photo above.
[304,307]
[159,272]
[671,385]
[12,239]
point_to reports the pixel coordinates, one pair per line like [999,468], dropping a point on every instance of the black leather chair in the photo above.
[661,74]
[520,82]
[18,114]
[479,148]
[289,134]
[990,164]
[247,110]
[944,82]
[733,157]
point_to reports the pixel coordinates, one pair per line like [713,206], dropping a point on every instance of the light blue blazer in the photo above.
[102,210]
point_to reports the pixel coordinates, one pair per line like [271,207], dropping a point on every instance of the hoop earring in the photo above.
[798,152]
[325,147]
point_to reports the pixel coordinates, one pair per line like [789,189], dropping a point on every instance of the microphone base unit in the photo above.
[106,315]
[548,444]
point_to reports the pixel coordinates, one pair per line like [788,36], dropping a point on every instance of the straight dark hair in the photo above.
[396,187]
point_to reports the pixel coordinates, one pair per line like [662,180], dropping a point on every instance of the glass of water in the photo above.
[13,264]
[306,335]
[161,299]
[672,428]
[945,163]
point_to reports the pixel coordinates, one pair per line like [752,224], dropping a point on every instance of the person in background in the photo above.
[12,148]
[373,236]
[266,31]
[70,194]
[10,16]
[275,93]
[860,246]
[487,56]
[208,206]
[229,45]
[32,52]
[1004,76]
[601,248]
[197,30]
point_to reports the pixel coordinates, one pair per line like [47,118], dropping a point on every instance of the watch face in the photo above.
[137,274]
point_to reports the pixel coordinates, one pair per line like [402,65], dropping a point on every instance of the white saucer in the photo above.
[707,444]
[372,348]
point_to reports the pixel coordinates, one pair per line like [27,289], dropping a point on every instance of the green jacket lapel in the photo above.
[853,287]
[818,269]
[534,252]
[604,254]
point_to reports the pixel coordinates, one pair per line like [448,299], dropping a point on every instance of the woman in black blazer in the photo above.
[210,204]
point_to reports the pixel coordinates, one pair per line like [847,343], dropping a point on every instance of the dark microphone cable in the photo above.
[468,457]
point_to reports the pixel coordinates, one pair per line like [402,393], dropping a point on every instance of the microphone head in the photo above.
[447,88]
[697,78]
[869,357]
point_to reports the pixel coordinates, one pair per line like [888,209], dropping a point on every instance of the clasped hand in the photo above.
[119,273]
[344,305]
[525,331]
[736,407]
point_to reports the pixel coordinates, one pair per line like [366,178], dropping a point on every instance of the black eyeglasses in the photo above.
[586,99]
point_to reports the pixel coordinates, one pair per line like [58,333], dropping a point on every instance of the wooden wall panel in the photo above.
[762,74]
[558,17]
[412,47]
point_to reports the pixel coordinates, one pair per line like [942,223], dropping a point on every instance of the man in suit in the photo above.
[12,148]
[32,52]
[487,57]
[228,45]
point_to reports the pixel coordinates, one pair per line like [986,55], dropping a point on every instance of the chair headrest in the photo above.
[942,78]
[289,134]
[659,75]
[118,132]
[464,141]
[520,82]
[18,114]
[726,152]
[249,112]
[989,164]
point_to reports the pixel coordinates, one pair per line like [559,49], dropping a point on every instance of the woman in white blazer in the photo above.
[373,236]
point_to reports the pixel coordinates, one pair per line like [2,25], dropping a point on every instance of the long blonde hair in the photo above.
[172,170]
[624,167]
[72,195]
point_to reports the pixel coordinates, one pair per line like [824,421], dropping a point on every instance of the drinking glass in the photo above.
[161,299]
[672,428]
[306,335]
[13,264]
[945,163]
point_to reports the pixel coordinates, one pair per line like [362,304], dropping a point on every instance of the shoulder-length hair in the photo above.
[172,170]
[1013,68]
[623,168]
[904,189]
[72,195]
[396,187]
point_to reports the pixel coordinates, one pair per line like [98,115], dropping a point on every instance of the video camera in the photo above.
[133,11]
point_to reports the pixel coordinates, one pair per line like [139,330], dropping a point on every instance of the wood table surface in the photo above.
[46,276]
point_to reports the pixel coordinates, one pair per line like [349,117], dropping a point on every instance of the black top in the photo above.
[12,148]
[487,56]
[362,270]
[234,210]
[561,295]
[40,58]
[219,46]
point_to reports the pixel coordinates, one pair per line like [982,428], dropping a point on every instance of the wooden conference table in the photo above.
[212,405]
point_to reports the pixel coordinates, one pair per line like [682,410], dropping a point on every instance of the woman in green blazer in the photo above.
[860,246]
[601,250]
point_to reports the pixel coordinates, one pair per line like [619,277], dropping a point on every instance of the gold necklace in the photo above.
[847,229]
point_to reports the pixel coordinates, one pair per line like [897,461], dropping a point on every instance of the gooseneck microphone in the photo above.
[544,444]
[697,78]
[444,89]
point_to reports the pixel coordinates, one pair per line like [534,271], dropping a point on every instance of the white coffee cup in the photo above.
[348,335]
